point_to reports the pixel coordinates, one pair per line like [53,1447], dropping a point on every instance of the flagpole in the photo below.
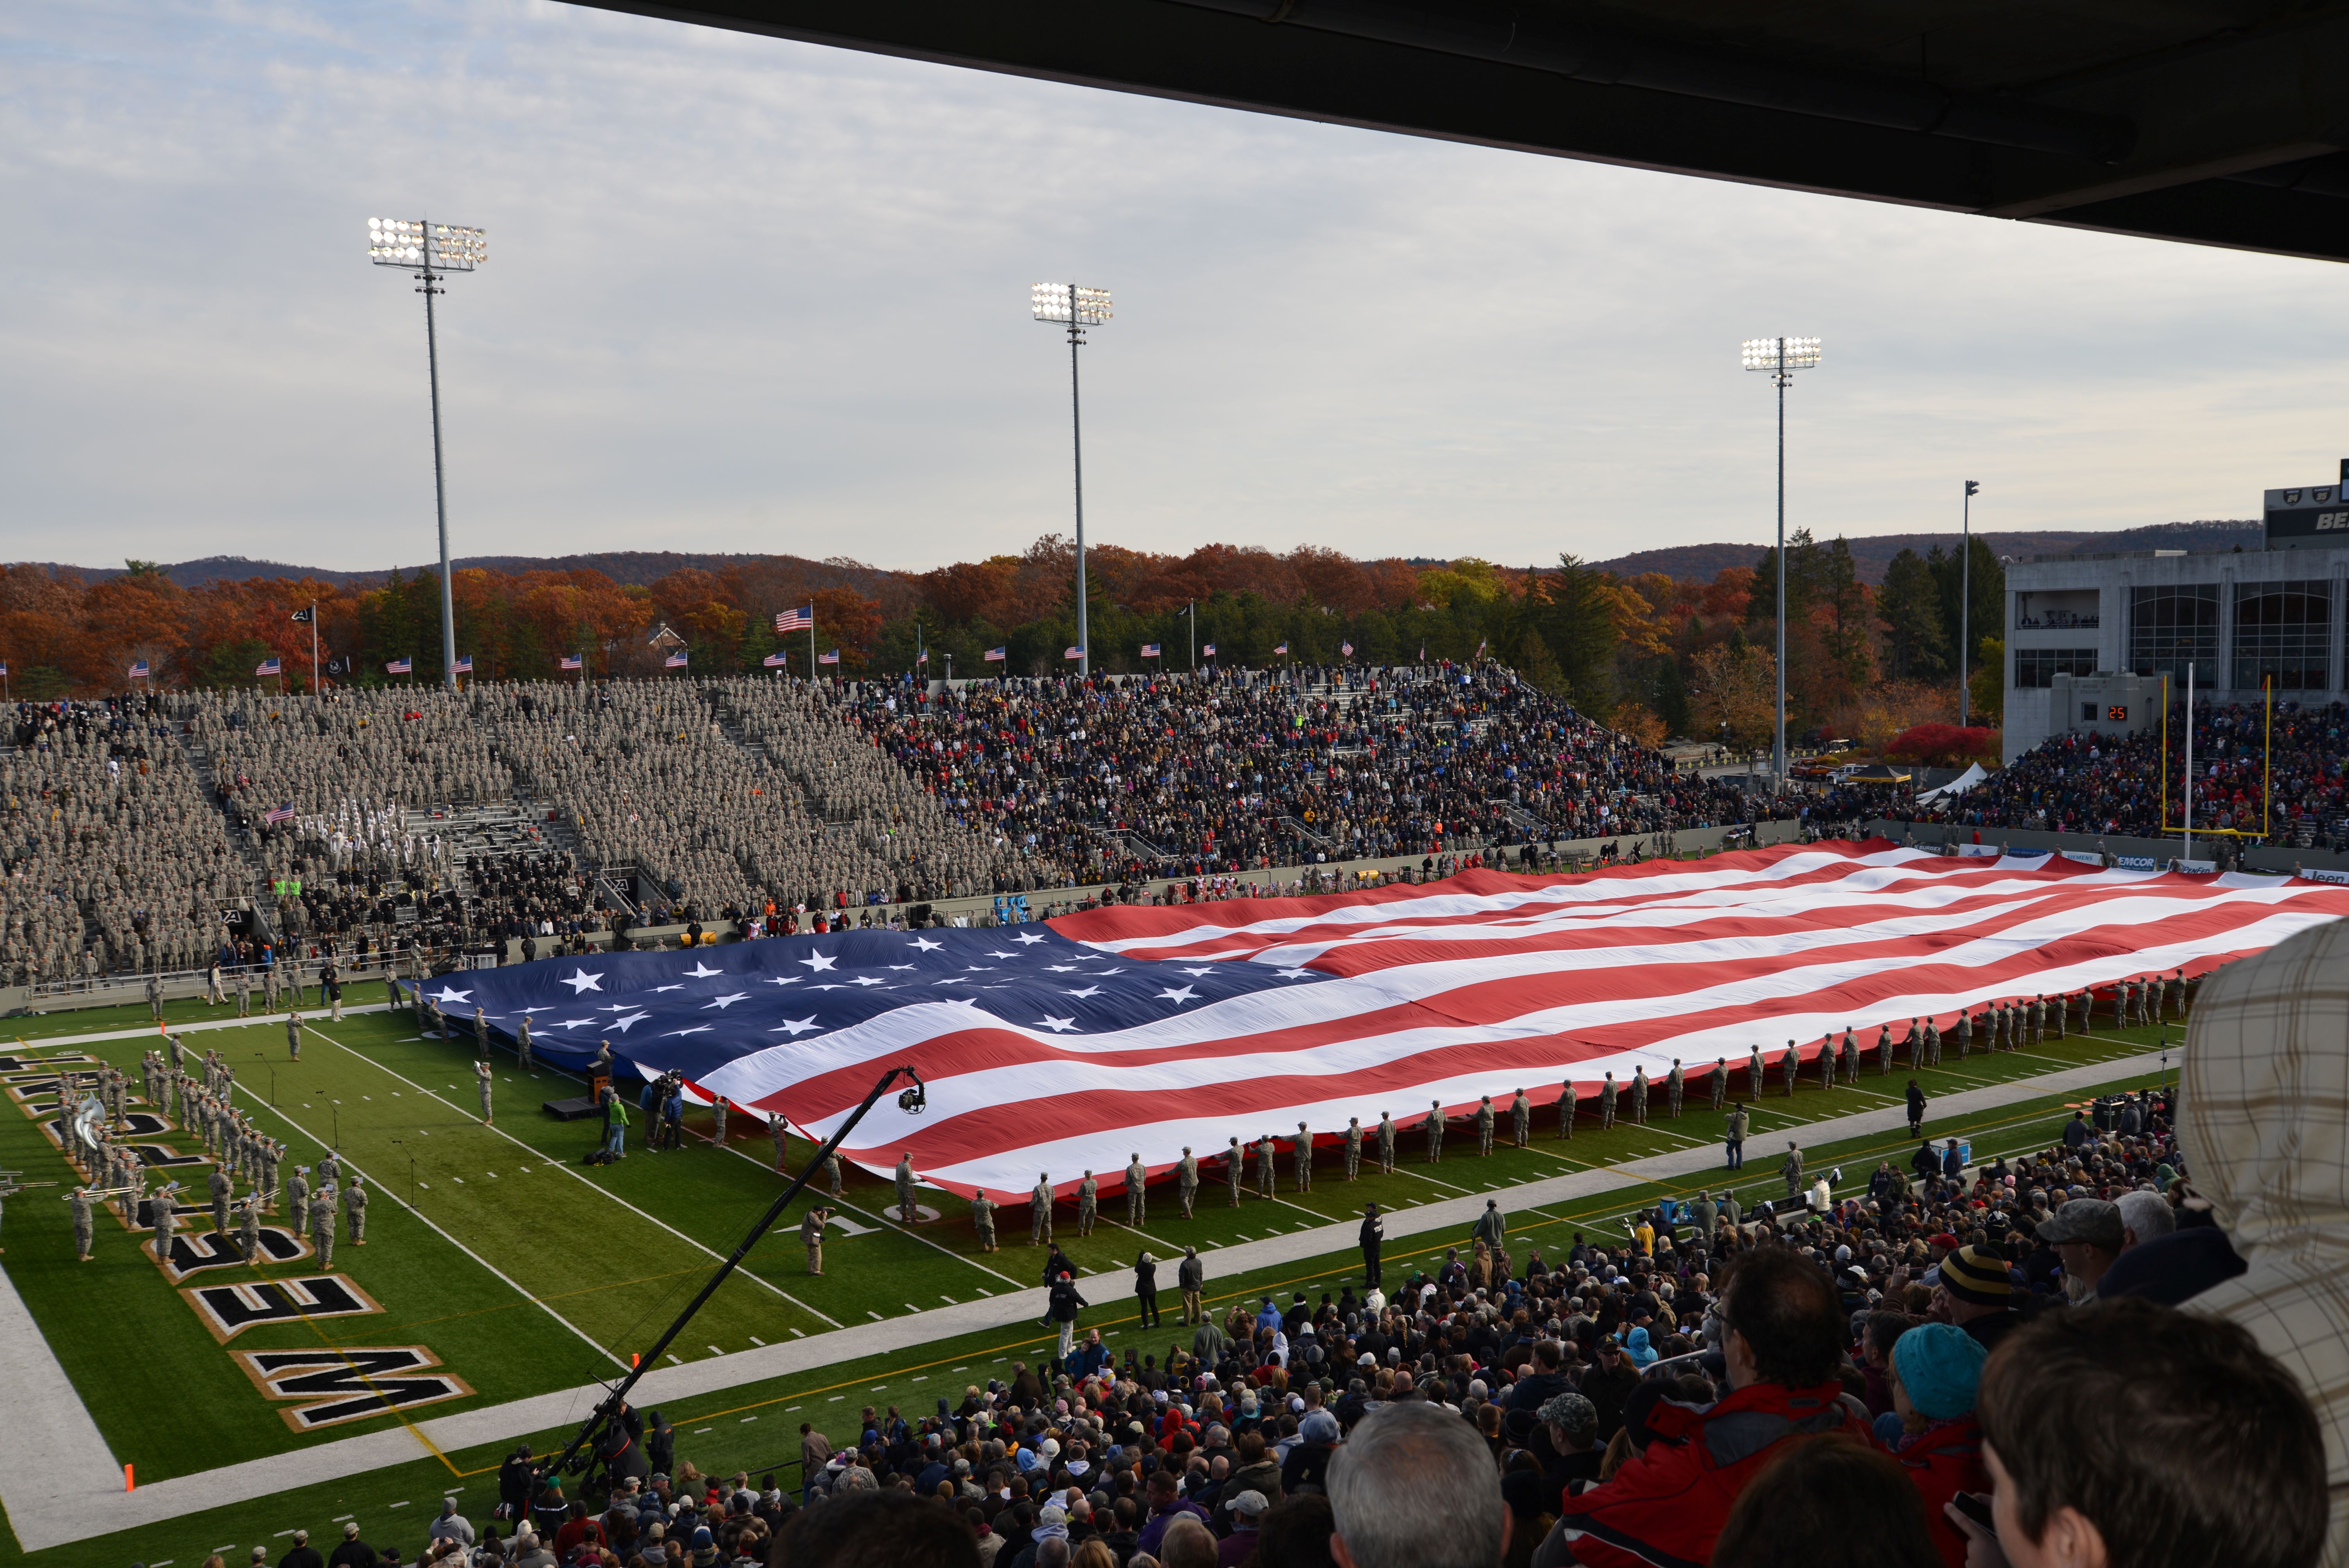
[313,647]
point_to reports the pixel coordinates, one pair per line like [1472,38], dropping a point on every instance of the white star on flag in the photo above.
[580,981]
[630,1022]
[1207,970]
[1028,938]
[446,994]
[785,979]
[926,945]
[722,1003]
[703,971]
[1058,1026]
[1180,993]
[1088,991]
[794,1026]
[818,963]
[673,1034]
[868,980]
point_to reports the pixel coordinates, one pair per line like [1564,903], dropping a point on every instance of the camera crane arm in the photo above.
[913,1101]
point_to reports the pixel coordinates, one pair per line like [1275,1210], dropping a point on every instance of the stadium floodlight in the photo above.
[1077,309]
[1781,357]
[432,250]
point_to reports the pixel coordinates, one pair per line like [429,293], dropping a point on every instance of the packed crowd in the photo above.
[110,856]
[2116,784]
[1238,771]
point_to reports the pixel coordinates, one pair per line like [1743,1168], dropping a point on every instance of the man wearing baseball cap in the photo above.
[1975,1292]
[2086,1234]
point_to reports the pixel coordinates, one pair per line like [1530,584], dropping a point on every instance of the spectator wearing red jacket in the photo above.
[1936,1369]
[1782,1340]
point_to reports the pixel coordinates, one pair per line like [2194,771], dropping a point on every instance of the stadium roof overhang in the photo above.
[2215,122]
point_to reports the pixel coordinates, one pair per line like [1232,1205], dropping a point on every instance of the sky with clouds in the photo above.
[745,295]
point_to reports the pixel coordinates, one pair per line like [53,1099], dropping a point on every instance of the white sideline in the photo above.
[259,1020]
[63,1485]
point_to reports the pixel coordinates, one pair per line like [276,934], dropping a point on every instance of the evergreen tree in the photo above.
[1910,606]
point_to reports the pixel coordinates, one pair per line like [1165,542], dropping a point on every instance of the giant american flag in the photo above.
[1072,1044]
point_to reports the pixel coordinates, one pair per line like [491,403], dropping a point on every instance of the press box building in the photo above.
[2090,637]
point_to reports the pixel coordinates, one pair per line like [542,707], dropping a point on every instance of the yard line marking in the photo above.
[797,1334]
[672,1355]
[715,1351]
[616,1198]
[747,1419]
[759,1342]
[947,1299]
[911,1308]
[873,1314]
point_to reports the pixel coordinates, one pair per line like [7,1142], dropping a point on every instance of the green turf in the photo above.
[577,1250]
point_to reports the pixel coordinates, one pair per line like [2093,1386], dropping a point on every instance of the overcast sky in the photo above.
[745,295]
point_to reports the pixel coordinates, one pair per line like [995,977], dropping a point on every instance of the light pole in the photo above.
[1077,309]
[432,250]
[1781,356]
[1965,591]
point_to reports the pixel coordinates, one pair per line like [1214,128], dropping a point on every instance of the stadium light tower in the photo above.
[1076,308]
[432,250]
[1781,356]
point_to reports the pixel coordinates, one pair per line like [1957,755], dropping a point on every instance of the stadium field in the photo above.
[497,1267]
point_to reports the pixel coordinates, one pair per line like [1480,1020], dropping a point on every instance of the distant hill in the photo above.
[625,567]
[1872,554]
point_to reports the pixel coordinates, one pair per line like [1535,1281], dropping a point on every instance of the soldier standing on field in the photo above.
[1675,1088]
[2062,1013]
[1088,1203]
[904,1179]
[85,1222]
[1606,1104]
[1268,1155]
[1137,1187]
[1792,1063]
[163,1220]
[1386,1144]
[1965,1033]
[1639,1095]
[522,1041]
[778,1129]
[1719,1082]
[221,1187]
[1754,1073]
[718,1119]
[811,1238]
[482,1071]
[1484,1128]
[1521,1118]
[1353,1148]
[270,1152]
[1435,1132]
[1186,1180]
[355,1203]
[297,1196]
[1233,1161]
[1304,1152]
[831,1172]
[982,1219]
[1039,1213]
[322,1226]
[248,1231]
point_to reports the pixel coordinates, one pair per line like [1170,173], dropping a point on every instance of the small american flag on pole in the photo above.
[1282,648]
[464,664]
[1208,652]
[568,662]
[278,814]
[139,670]
[776,661]
[1149,650]
[268,667]
[399,667]
[676,661]
[799,620]
[1346,650]
[831,658]
[1072,652]
[994,656]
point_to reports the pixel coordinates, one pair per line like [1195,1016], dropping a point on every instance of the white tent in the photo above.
[1958,786]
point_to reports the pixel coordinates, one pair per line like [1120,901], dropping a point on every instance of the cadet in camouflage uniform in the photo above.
[522,1044]
[1606,1104]
[2062,1013]
[718,1119]
[1755,1074]
[328,1170]
[1640,1096]
[221,1187]
[322,1227]
[482,1072]
[1675,1090]
[1719,1082]
[1484,1128]
[1137,1188]
[1353,1148]
[1567,1105]
[1235,1169]
[1088,1203]
[1039,1213]
[1826,1062]
[243,994]
[831,1172]
[481,1031]
[982,1219]
[248,1231]
[293,1036]
[778,1129]
[85,1222]
[269,989]
[1267,1157]
[272,1151]
[1386,1144]
[1521,1118]
[355,1203]
[1186,1180]
[1435,1132]
[163,1220]
[1789,1064]
[297,1196]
